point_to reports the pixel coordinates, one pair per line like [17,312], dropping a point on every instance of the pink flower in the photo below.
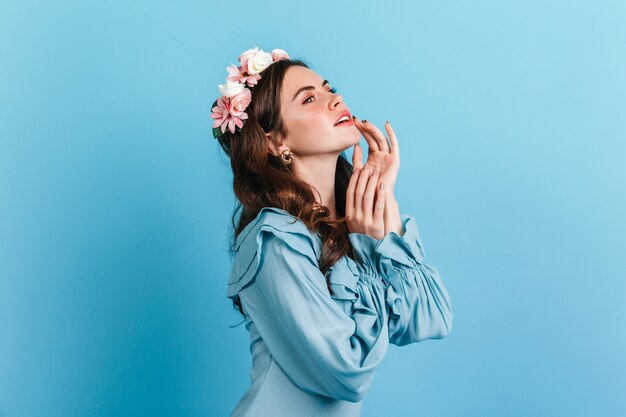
[241,75]
[239,102]
[226,115]
[234,73]
[228,110]
[278,54]
[251,56]
[251,79]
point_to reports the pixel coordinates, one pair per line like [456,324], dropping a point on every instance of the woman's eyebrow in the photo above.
[308,87]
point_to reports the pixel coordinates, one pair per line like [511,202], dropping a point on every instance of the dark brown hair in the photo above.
[260,179]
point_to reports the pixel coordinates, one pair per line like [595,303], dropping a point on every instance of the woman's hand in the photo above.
[382,153]
[365,203]
[385,156]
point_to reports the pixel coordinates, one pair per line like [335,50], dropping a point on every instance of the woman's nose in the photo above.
[335,100]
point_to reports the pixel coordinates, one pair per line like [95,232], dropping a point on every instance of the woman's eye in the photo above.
[306,100]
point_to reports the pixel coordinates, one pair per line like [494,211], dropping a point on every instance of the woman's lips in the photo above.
[349,122]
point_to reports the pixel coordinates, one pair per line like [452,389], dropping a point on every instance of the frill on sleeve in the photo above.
[419,304]
[379,256]
[407,249]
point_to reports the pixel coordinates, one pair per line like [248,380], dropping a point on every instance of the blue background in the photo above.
[115,200]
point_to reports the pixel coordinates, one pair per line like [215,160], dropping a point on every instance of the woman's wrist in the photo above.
[393,220]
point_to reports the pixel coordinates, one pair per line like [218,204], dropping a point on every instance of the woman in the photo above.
[326,272]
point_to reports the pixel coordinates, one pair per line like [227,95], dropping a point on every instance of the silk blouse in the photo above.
[313,353]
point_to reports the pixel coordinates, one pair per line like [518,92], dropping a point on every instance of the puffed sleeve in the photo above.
[419,304]
[322,349]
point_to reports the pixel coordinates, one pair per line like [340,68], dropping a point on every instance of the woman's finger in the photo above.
[368,196]
[393,141]
[379,209]
[360,189]
[350,192]
[381,140]
[372,144]
[357,156]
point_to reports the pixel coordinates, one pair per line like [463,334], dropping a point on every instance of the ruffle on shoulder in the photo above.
[343,276]
[280,223]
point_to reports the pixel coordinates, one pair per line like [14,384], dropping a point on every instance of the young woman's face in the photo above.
[310,114]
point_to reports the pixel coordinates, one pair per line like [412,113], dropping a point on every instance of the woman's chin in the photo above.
[351,140]
[355,136]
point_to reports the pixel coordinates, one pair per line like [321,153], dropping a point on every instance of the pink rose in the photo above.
[239,102]
[278,54]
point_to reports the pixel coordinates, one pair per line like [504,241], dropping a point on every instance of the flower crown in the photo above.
[228,110]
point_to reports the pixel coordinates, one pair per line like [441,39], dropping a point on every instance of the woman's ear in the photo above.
[274,144]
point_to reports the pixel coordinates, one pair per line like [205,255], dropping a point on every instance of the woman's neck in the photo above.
[320,172]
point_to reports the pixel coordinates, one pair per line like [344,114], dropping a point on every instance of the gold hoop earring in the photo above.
[286,156]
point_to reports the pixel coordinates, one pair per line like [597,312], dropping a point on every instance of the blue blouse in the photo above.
[314,354]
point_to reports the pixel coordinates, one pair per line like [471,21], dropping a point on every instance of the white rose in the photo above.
[259,62]
[231,88]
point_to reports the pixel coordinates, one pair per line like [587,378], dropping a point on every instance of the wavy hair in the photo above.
[260,179]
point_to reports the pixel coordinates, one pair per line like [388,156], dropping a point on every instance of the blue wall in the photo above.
[115,200]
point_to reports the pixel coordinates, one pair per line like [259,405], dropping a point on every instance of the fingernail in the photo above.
[364,121]
[382,185]
[353,117]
